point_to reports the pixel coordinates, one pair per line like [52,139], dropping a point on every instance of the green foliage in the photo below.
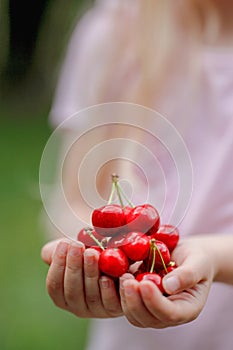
[28,318]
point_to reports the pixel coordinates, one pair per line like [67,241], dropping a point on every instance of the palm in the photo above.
[145,306]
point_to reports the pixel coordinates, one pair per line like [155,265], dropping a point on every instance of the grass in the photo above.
[28,318]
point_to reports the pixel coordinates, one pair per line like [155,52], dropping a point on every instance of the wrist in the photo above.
[220,250]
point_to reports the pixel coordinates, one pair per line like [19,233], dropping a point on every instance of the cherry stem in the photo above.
[171,263]
[161,258]
[120,192]
[153,248]
[156,249]
[125,196]
[112,193]
[95,240]
[115,183]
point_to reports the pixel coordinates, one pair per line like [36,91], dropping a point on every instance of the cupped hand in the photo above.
[188,287]
[74,282]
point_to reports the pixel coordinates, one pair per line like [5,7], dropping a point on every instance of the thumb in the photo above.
[185,276]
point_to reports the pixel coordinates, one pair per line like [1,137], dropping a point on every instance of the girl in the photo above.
[175,57]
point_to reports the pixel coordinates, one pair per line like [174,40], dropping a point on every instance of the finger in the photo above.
[137,309]
[186,276]
[124,295]
[110,297]
[168,311]
[91,281]
[73,280]
[48,251]
[55,277]
[126,276]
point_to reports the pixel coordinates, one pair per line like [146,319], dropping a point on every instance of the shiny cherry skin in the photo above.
[141,269]
[113,262]
[116,241]
[108,220]
[85,238]
[142,218]
[136,246]
[153,277]
[163,273]
[97,248]
[168,234]
[127,210]
[164,251]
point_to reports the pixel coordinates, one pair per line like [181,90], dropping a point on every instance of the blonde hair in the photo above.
[150,39]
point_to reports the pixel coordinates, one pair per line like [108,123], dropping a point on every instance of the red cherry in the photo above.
[108,220]
[136,246]
[127,210]
[141,269]
[113,262]
[116,241]
[163,273]
[98,249]
[153,277]
[142,218]
[164,252]
[168,234]
[85,238]
[163,256]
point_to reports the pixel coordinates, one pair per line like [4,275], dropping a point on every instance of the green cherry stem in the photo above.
[153,249]
[112,193]
[120,192]
[156,249]
[115,183]
[125,196]
[95,240]
[161,258]
[119,195]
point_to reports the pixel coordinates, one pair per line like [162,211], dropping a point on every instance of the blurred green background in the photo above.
[33,38]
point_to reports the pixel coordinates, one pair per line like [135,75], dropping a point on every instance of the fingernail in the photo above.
[171,284]
[105,283]
[121,283]
[144,289]
[128,289]
[62,248]
[76,250]
[89,258]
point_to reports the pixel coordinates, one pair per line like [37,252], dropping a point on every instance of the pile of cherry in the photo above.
[127,236]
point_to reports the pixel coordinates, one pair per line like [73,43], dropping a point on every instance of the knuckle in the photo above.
[74,263]
[53,286]
[72,268]
[59,259]
[91,273]
[113,311]
[92,300]
[58,267]
[70,295]
[188,277]
[91,282]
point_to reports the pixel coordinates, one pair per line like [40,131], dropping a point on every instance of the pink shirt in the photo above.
[206,125]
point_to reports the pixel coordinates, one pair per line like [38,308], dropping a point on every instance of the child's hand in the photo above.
[188,286]
[74,282]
